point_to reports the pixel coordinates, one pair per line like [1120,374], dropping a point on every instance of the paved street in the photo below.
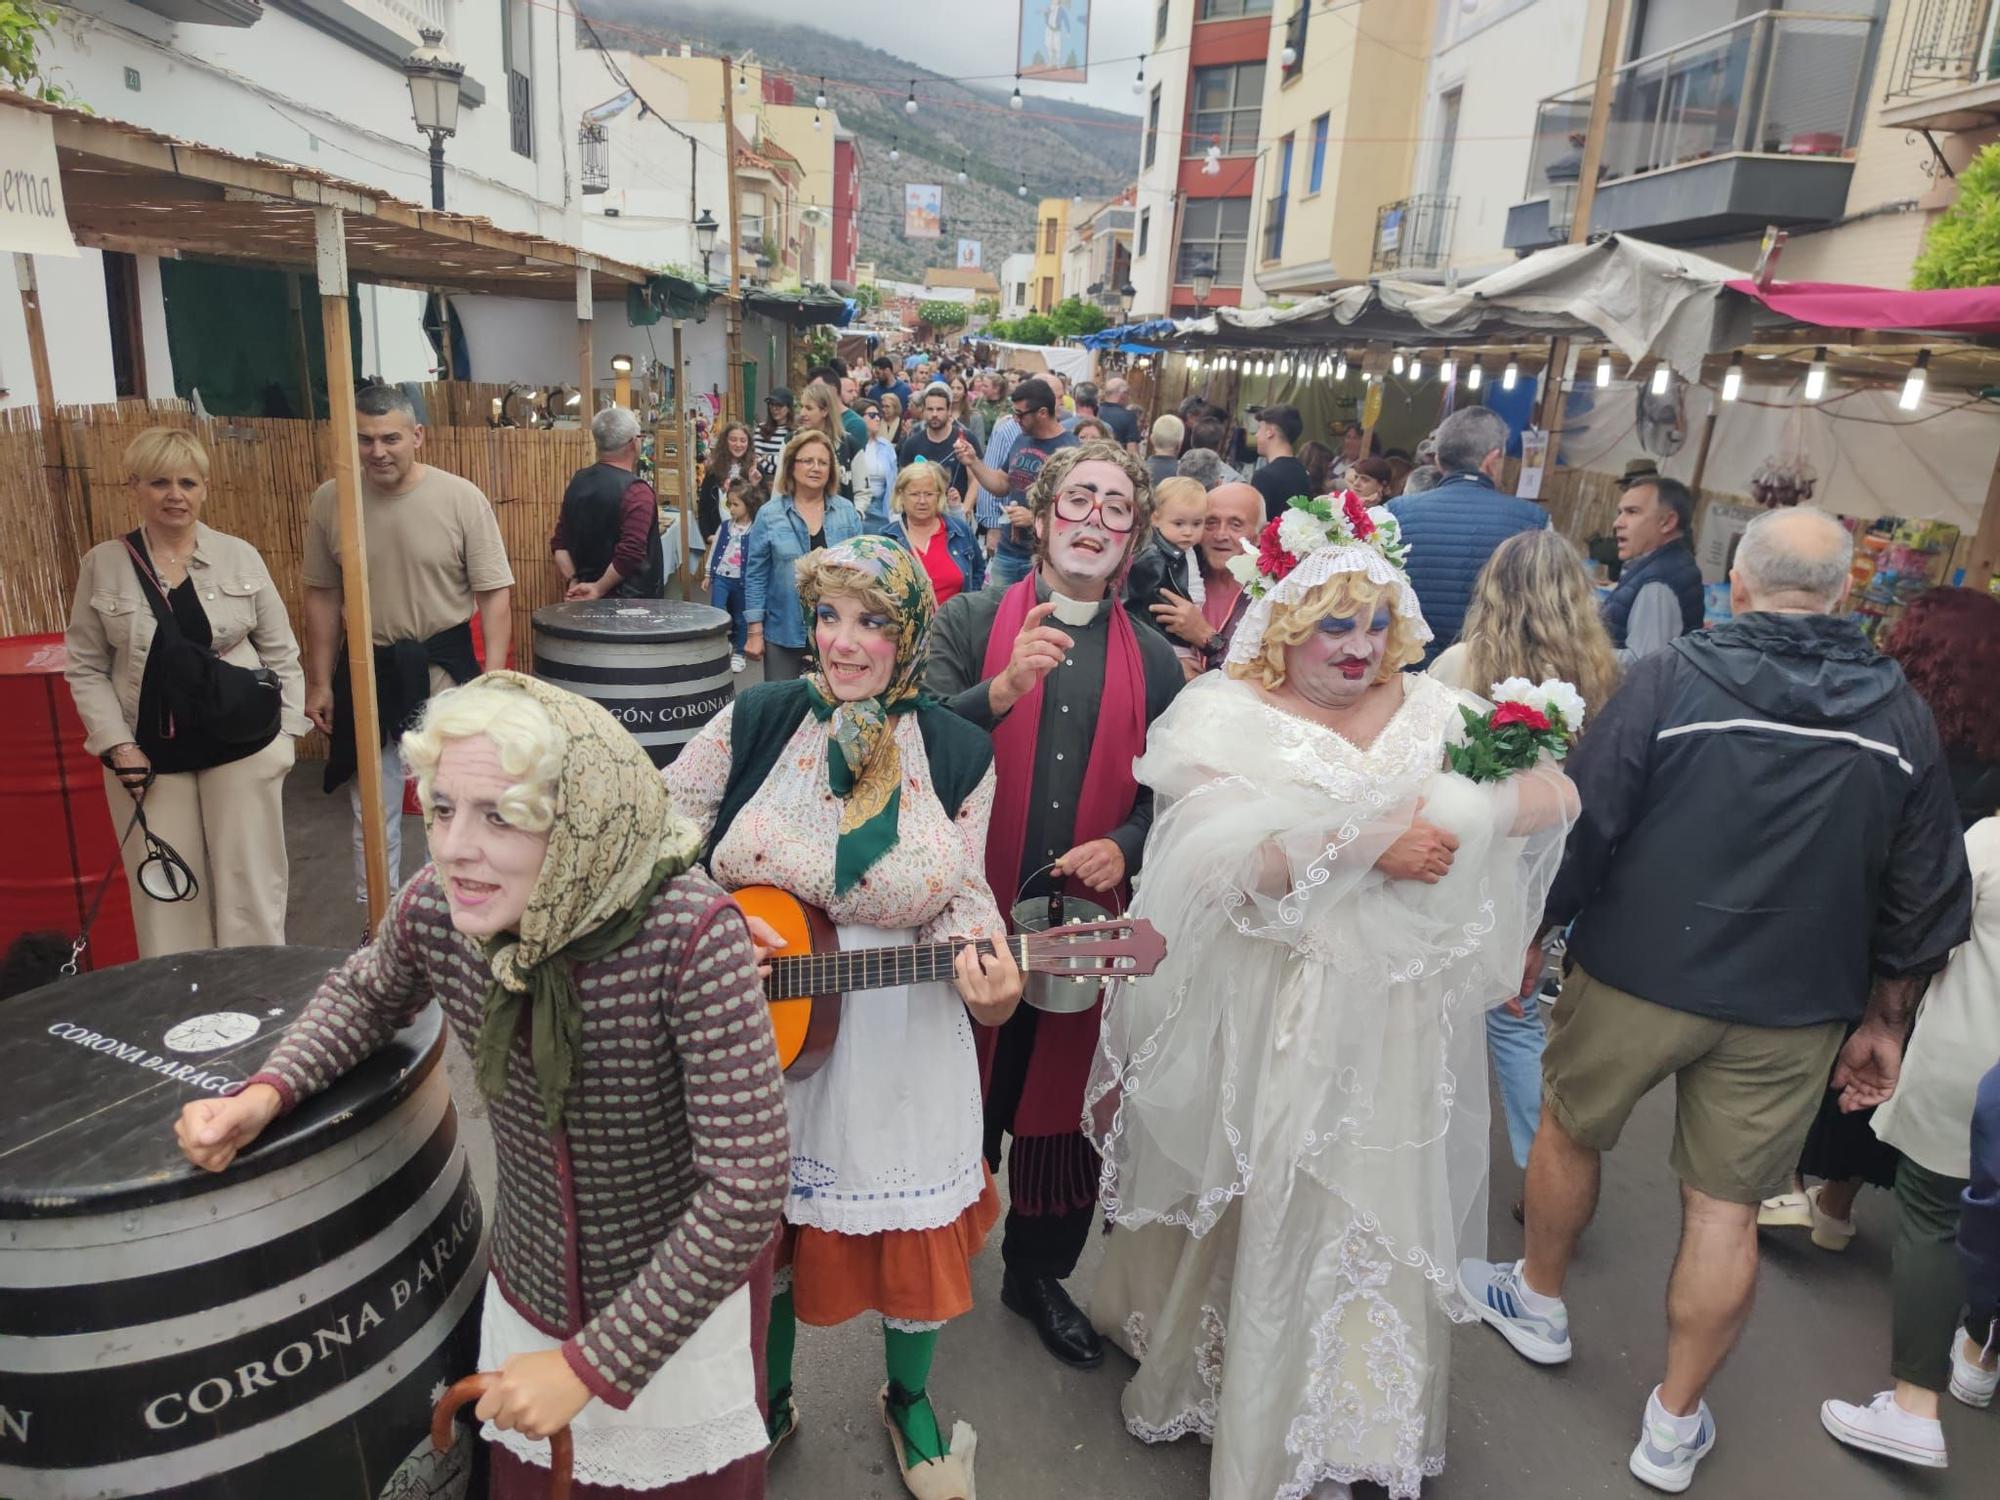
[1048,1433]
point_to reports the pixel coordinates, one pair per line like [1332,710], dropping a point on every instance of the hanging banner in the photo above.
[923,211]
[33,220]
[1054,40]
[968,255]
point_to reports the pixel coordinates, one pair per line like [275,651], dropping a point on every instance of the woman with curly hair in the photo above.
[1948,645]
[1533,615]
[733,457]
[1292,1171]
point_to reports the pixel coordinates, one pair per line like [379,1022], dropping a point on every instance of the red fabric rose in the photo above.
[1520,713]
[1273,561]
[1358,519]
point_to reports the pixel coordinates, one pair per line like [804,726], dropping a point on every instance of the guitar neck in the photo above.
[848,969]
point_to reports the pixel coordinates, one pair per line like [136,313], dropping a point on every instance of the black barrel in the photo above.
[277,1331]
[659,666]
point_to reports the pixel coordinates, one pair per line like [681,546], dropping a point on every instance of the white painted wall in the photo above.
[75,324]
[651,167]
[1503,72]
[1152,273]
[1017,273]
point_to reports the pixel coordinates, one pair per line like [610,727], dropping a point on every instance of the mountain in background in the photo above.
[1053,145]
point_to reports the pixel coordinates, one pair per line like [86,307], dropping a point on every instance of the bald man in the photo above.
[1768,855]
[1235,512]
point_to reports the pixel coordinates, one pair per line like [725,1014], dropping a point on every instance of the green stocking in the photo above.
[908,1356]
[780,1340]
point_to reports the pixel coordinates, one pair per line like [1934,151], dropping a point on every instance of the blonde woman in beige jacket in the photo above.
[226,821]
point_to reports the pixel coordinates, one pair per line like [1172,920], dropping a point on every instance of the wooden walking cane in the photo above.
[561,1456]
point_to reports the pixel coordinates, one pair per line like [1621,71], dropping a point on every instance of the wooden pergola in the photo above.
[138,191]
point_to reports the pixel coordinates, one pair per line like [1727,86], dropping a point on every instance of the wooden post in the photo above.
[1579,228]
[69,541]
[345,447]
[732,313]
[1701,451]
[295,304]
[685,453]
[444,335]
[587,406]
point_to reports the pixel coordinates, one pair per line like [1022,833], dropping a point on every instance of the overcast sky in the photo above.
[965,41]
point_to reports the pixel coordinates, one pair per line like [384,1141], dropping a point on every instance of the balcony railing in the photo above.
[1779,82]
[1946,42]
[1413,234]
[520,113]
[594,145]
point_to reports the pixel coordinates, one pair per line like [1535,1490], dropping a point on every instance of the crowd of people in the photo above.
[1019,646]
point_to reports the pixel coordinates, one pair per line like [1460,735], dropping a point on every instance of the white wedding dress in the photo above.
[1293,1110]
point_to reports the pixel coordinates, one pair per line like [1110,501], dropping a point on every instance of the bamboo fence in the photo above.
[262,475]
[460,403]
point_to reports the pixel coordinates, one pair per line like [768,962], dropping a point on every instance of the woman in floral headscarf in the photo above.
[607,992]
[857,794]
[1289,1155]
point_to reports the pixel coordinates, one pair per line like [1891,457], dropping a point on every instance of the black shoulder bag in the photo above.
[196,710]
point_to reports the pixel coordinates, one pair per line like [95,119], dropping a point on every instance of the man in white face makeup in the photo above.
[1067,683]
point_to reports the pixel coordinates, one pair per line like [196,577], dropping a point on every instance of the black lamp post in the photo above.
[1201,281]
[1127,295]
[705,229]
[434,76]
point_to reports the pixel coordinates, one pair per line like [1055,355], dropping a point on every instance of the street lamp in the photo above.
[1127,295]
[434,76]
[1201,280]
[704,239]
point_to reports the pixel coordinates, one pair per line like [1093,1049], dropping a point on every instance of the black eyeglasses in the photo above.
[1118,514]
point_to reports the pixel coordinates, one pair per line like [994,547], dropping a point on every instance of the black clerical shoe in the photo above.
[1065,1331]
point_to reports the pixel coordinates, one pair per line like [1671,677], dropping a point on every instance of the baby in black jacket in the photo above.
[1169,561]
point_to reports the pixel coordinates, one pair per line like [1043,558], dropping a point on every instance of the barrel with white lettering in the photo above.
[660,667]
[279,1329]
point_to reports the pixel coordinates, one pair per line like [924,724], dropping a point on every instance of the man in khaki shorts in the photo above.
[1768,855]
[434,557]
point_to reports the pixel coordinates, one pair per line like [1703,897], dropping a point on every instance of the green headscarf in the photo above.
[615,841]
[863,766]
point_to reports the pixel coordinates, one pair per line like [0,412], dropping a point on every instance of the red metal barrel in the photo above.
[59,838]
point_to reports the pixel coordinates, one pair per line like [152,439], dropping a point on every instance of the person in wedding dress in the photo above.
[1292,1112]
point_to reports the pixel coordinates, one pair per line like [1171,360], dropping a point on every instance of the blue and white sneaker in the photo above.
[1495,1294]
[1663,1459]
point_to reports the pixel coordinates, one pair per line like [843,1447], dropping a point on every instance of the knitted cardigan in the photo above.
[622,1231]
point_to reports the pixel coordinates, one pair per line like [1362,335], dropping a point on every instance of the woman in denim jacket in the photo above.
[803,515]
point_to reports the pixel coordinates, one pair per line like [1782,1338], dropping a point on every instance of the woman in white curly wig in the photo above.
[1293,1164]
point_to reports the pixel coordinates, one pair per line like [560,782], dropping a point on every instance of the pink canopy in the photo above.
[1968,311]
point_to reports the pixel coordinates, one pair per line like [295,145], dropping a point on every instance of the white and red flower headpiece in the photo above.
[1311,542]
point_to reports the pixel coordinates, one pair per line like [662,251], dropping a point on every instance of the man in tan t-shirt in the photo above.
[434,556]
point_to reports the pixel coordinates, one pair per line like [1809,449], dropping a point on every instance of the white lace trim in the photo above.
[932,1209]
[1316,568]
[649,1458]
[911,1325]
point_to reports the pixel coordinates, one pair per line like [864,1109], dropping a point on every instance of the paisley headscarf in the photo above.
[863,766]
[615,841]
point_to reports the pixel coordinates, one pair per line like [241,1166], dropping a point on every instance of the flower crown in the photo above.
[1305,527]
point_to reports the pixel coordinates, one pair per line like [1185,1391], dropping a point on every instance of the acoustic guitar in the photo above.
[811,973]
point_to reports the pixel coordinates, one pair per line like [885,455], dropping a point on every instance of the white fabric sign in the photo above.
[33,220]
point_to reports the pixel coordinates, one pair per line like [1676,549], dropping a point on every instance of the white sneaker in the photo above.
[1786,1211]
[738,664]
[1969,1383]
[1663,1458]
[1828,1232]
[1884,1427]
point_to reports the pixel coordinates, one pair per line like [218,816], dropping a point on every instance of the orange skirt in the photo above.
[920,1275]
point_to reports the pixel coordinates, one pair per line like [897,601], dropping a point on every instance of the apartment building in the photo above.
[1098,260]
[1051,245]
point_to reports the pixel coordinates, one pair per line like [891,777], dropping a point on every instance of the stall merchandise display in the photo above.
[1895,559]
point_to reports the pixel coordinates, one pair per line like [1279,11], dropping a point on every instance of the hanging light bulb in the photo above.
[1476,376]
[1603,369]
[1340,366]
[896,151]
[1816,375]
[816,124]
[1913,383]
[1139,83]
[1396,363]
[1511,374]
[1015,102]
[1732,378]
[1416,367]
[1288,58]
[1663,376]
[1022,190]
[961,169]
[910,104]
[819,99]
[1448,371]
[742,81]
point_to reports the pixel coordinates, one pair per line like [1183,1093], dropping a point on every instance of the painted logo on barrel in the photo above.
[211,1033]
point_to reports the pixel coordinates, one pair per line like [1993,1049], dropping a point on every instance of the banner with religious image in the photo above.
[923,210]
[1054,40]
[968,255]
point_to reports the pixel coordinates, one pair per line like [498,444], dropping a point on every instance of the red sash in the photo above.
[1065,1045]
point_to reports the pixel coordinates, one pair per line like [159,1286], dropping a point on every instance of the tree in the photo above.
[1963,247]
[945,317]
[1073,317]
[985,307]
[23,26]
[867,298]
